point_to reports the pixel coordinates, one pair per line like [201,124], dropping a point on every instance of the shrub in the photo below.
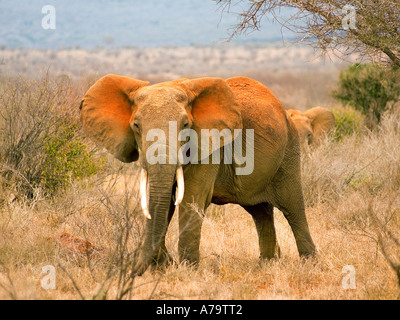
[67,158]
[39,145]
[348,121]
[368,88]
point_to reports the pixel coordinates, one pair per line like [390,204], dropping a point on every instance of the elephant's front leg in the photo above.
[199,184]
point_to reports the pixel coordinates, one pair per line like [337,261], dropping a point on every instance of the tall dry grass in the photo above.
[352,204]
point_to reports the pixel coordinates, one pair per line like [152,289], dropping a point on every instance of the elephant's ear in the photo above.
[213,105]
[322,121]
[106,110]
[293,113]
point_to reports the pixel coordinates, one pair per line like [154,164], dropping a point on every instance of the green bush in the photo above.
[368,88]
[348,121]
[66,159]
[40,148]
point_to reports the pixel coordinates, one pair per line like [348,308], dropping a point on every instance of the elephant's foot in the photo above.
[190,263]
[162,260]
[308,254]
[270,251]
[189,255]
[139,268]
[306,246]
[159,261]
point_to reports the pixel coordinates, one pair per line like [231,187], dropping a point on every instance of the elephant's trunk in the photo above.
[160,179]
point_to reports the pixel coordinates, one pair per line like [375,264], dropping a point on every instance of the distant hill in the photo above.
[123,23]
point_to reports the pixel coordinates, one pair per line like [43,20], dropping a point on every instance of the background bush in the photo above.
[368,88]
[40,145]
[348,121]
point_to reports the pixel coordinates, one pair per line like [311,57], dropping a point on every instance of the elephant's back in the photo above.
[249,91]
[261,110]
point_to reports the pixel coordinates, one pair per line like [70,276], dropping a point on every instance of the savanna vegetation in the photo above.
[66,204]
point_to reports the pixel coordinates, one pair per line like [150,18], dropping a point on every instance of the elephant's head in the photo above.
[312,125]
[125,116]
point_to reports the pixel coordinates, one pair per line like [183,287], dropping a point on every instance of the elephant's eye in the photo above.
[309,137]
[137,127]
[186,125]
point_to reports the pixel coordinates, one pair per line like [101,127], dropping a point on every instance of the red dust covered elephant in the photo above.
[139,122]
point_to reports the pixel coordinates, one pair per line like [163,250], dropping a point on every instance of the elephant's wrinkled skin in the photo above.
[118,112]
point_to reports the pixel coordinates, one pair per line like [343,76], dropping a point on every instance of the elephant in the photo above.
[312,125]
[122,114]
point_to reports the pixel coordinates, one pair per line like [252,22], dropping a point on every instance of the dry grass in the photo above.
[229,267]
[348,185]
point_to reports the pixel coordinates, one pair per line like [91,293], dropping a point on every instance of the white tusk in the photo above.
[180,189]
[143,193]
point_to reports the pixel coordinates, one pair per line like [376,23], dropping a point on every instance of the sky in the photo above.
[54,24]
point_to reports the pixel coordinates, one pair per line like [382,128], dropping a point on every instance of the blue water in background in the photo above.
[124,23]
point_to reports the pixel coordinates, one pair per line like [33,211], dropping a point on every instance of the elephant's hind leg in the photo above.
[263,216]
[290,202]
